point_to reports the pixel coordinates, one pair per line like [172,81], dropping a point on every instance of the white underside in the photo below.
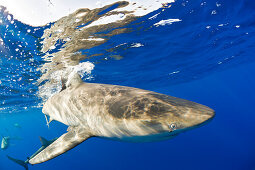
[149,138]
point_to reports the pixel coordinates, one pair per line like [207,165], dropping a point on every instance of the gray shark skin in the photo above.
[118,113]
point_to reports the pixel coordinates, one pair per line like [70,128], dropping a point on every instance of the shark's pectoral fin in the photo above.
[67,141]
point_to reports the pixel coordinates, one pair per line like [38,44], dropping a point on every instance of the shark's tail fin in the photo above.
[20,162]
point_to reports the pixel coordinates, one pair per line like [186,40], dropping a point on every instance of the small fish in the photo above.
[17,125]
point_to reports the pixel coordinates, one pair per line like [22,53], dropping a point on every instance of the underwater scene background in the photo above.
[201,51]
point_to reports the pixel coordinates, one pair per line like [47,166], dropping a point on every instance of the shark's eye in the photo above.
[172,127]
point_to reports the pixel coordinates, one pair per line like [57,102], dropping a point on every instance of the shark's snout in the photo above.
[199,116]
[207,114]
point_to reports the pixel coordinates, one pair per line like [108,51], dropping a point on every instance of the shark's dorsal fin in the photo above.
[67,141]
[74,79]
[44,142]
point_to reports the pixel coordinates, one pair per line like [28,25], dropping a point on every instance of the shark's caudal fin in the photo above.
[67,141]
[20,162]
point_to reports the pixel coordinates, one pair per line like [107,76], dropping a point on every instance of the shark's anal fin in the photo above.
[67,141]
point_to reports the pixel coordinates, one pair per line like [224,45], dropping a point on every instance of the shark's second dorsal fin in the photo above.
[44,142]
[67,141]
[74,79]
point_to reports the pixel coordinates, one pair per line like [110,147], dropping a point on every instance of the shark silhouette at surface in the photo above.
[117,113]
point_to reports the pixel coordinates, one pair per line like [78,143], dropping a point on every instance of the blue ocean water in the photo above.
[206,57]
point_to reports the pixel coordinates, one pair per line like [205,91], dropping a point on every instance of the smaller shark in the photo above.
[17,125]
[5,142]
[44,143]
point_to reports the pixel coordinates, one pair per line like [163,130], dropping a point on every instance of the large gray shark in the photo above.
[118,113]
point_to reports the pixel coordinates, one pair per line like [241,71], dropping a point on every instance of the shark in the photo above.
[117,113]
[5,142]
